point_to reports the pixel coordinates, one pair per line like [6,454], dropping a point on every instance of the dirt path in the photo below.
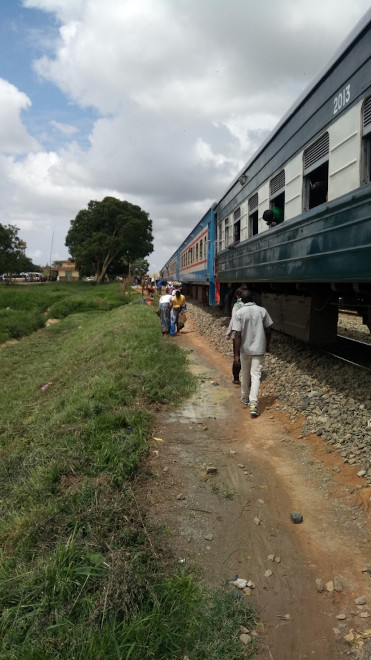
[264,472]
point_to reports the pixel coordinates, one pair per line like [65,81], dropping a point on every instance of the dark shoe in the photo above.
[236,382]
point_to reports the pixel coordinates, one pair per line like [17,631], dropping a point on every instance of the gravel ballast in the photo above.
[331,397]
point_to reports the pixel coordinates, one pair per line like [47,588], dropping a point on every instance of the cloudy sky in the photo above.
[159,102]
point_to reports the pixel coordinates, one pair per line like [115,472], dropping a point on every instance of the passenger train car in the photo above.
[314,171]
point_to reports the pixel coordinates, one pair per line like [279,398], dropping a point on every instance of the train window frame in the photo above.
[196,252]
[316,172]
[201,248]
[366,141]
[226,232]
[253,205]
[277,191]
[237,225]
[220,236]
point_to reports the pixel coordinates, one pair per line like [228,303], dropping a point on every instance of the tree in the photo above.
[12,257]
[107,235]
[140,267]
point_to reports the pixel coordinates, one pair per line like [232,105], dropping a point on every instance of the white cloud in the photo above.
[66,129]
[184,93]
[14,137]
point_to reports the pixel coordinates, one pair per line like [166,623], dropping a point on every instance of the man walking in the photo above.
[252,328]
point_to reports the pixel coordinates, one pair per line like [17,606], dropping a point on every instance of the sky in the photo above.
[157,102]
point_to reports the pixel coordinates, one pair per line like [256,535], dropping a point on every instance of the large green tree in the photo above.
[12,257]
[109,235]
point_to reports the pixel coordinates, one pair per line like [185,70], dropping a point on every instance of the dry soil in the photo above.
[228,522]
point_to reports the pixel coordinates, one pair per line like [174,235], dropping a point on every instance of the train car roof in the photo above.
[359,28]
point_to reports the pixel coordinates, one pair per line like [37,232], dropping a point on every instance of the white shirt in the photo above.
[250,321]
[166,298]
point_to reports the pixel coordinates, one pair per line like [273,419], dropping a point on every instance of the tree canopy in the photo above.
[109,235]
[12,257]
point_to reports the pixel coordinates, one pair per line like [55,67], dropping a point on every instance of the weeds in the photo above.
[80,577]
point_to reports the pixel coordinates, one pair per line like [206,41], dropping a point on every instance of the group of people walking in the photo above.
[171,311]
[249,327]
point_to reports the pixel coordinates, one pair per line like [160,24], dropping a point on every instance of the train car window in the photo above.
[220,237]
[253,215]
[236,225]
[226,233]
[253,223]
[315,182]
[366,142]
[237,231]
[196,251]
[205,240]
[201,248]
[277,196]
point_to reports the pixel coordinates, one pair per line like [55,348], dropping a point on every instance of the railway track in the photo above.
[352,351]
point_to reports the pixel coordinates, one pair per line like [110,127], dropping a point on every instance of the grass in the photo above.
[26,308]
[80,577]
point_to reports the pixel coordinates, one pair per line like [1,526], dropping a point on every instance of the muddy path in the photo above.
[230,523]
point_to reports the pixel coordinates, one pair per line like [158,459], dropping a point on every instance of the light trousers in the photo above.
[251,369]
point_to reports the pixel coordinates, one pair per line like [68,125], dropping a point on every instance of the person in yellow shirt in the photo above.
[179,302]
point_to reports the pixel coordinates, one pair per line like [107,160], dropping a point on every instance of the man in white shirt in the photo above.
[252,328]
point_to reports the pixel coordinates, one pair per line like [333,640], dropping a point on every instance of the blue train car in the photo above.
[193,262]
[311,180]
[314,175]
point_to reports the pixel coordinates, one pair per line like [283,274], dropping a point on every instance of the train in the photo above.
[313,176]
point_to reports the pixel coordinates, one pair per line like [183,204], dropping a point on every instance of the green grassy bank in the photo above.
[25,307]
[80,578]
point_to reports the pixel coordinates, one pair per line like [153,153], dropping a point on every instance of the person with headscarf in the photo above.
[179,302]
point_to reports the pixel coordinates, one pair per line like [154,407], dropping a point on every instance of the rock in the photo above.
[165,469]
[209,537]
[247,591]
[270,557]
[338,585]
[361,600]
[277,560]
[245,639]
[257,521]
[296,518]
[251,584]
[240,583]
[329,586]
[240,465]
[211,469]
[361,473]
[180,497]
[336,468]
[244,630]
[341,617]
[364,615]
[268,573]
[319,585]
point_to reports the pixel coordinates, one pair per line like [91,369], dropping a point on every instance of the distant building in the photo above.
[65,271]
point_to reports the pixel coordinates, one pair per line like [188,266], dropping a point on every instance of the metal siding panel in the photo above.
[331,243]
